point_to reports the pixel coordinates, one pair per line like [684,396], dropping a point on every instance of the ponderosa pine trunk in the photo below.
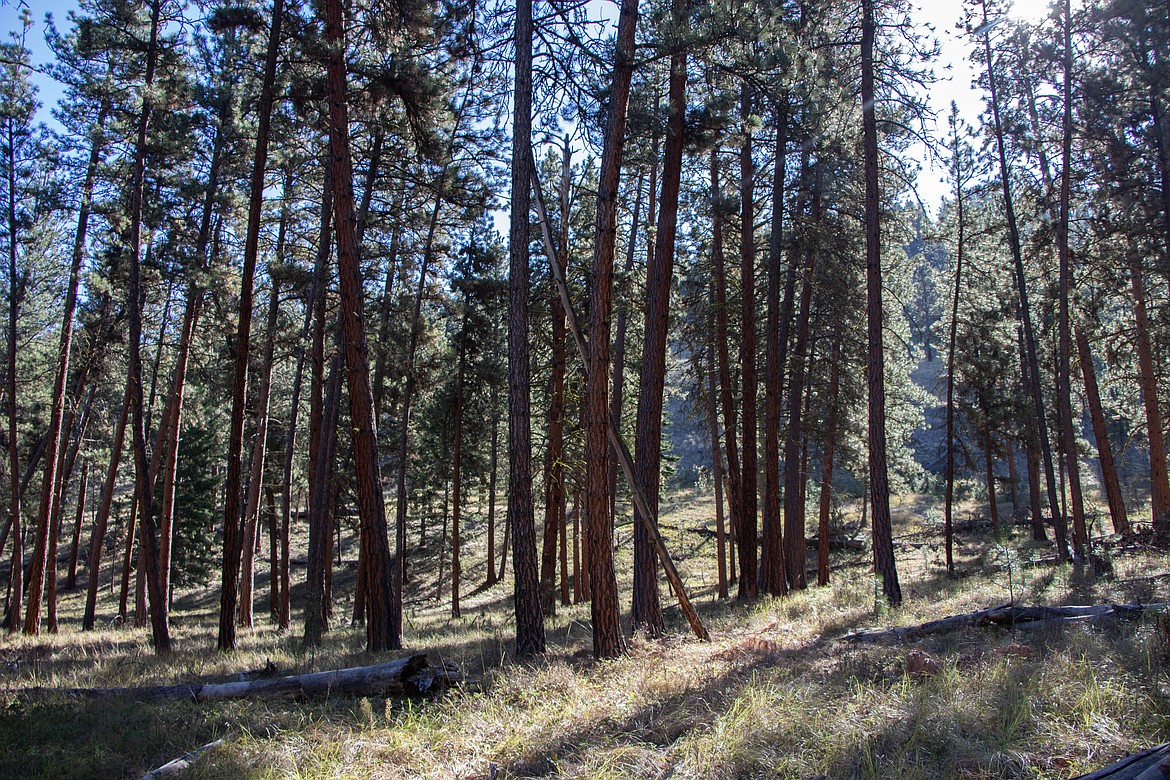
[794,513]
[722,352]
[526,590]
[233,533]
[607,635]
[457,463]
[716,473]
[383,593]
[1147,382]
[1031,362]
[952,337]
[772,567]
[748,580]
[554,471]
[826,499]
[879,486]
[493,468]
[75,547]
[1068,442]
[647,606]
[1109,478]
[258,458]
[320,534]
[101,522]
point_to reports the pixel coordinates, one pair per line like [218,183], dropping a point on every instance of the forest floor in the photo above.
[776,693]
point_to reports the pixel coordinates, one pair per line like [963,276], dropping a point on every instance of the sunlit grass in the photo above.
[775,694]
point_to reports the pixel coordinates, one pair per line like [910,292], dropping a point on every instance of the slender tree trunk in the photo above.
[1147,381]
[384,310]
[772,566]
[101,523]
[607,636]
[617,400]
[259,456]
[316,611]
[716,473]
[493,468]
[554,472]
[1101,435]
[748,582]
[989,466]
[457,465]
[74,549]
[794,516]
[721,343]
[232,542]
[826,499]
[960,248]
[879,486]
[526,594]
[647,607]
[1032,366]
[15,293]
[384,595]
[1068,442]
[127,560]
[273,558]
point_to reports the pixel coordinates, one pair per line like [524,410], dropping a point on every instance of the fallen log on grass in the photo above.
[1009,616]
[1151,764]
[172,768]
[404,677]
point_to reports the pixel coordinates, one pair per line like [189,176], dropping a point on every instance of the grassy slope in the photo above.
[774,695]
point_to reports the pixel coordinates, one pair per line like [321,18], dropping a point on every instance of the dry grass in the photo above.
[773,695]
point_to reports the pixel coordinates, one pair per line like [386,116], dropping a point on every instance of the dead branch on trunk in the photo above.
[1010,616]
[404,677]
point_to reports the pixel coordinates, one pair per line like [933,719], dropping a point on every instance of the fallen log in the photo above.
[1151,764]
[1009,616]
[172,768]
[404,677]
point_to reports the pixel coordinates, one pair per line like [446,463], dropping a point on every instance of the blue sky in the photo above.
[954,82]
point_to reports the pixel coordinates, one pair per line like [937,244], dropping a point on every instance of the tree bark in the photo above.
[794,515]
[384,610]
[1031,363]
[526,592]
[607,636]
[716,473]
[320,534]
[879,486]
[748,582]
[1147,381]
[1101,435]
[772,566]
[826,498]
[232,542]
[647,607]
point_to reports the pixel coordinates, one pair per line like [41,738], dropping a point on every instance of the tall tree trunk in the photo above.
[647,607]
[1031,363]
[127,561]
[101,523]
[526,593]
[554,472]
[607,635]
[316,611]
[148,539]
[748,581]
[879,486]
[74,549]
[457,464]
[233,533]
[794,519]
[384,596]
[259,451]
[493,468]
[1101,435]
[15,293]
[716,473]
[724,359]
[1147,381]
[960,248]
[826,499]
[617,400]
[989,467]
[772,566]
[1068,442]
